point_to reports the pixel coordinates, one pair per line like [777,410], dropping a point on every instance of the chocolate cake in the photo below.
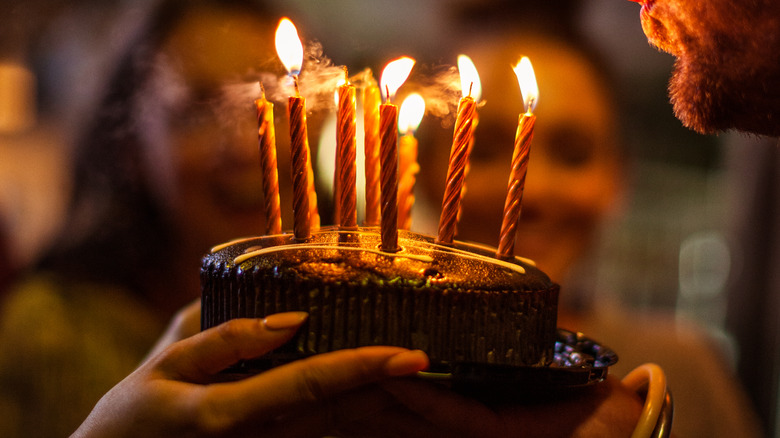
[458,303]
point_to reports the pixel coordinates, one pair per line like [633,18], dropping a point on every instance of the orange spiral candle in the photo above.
[388,120]
[347,189]
[469,79]
[407,171]
[393,76]
[299,151]
[525,133]
[267,142]
[371,101]
[514,196]
[455,171]
[290,51]
[466,171]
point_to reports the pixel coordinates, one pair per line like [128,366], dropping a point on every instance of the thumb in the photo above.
[198,358]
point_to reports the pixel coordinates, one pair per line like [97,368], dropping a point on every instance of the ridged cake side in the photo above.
[456,306]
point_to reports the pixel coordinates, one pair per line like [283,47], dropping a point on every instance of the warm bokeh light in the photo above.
[411,113]
[289,47]
[469,78]
[527,80]
[394,75]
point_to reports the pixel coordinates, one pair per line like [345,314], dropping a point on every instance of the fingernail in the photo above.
[286,320]
[408,362]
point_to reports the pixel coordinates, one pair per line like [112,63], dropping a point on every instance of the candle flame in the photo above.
[469,78]
[289,47]
[527,80]
[394,75]
[411,113]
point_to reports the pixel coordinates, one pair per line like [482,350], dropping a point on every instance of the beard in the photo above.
[726,75]
[718,94]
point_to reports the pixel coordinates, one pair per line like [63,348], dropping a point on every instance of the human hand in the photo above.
[171,394]
[429,410]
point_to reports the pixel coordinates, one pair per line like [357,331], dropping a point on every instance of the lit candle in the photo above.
[462,136]
[371,101]
[525,132]
[409,118]
[393,76]
[468,72]
[266,135]
[346,145]
[290,51]
[336,160]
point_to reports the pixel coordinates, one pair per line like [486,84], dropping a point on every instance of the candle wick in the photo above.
[471,85]
[262,90]
[295,81]
[387,91]
[530,105]
[346,75]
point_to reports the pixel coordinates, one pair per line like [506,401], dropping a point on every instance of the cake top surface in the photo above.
[333,255]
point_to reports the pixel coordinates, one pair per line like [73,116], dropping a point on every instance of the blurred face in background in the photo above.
[205,162]
[575,166]
[203,147]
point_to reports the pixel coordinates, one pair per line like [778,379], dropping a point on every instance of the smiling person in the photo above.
[156,182]
[577,164]
[146,202]
[167,395]
[579,175]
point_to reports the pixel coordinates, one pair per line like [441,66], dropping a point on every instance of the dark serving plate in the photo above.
[578,362]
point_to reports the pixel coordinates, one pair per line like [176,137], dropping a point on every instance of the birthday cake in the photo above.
[458,303]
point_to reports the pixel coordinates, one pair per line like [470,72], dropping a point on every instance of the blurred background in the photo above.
[697,236]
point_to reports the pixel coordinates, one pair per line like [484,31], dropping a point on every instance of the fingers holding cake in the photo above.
[320,378]
[320,394]
[200,357]
[173,391]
